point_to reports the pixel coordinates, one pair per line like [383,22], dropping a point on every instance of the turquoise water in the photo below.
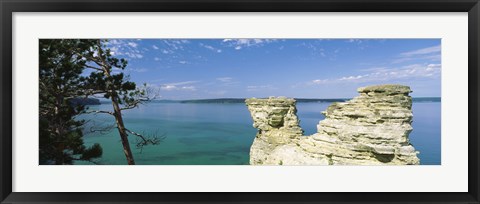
[221,134]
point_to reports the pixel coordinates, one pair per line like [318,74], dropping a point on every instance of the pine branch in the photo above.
[102,130]
[146,140]
[99,111]
[95,68]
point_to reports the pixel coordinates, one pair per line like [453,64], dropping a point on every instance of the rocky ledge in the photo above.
[370,129]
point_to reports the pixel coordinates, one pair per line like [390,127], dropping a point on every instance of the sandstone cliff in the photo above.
[370,129]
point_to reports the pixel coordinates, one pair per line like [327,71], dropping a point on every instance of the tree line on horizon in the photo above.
[79,68]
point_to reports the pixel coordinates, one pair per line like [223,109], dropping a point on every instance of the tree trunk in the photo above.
[60,133]
[117,111]
[121,130]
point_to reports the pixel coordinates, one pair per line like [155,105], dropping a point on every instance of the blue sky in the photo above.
[300,68]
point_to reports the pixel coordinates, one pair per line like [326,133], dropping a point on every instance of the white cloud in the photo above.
[189,88]
[133,55]
[167,51]
[168,87]
[185,86]
[211,48]
[387,74]
[132,44]
[175,88]
[320,81]
[352,77]
[428,50]
[429,53]
[314,47]
[114,50]
[125,48]
[175,44]
[177,52]
[239,44]
[156,59]
[183,83]
[358,41]
[170,46]
[225,79]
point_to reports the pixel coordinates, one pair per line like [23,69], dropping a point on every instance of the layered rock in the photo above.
[371,129]
[278,125]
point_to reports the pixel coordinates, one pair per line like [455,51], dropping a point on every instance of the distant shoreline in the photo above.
[299,100]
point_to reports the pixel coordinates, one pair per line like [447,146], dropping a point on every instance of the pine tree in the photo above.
[61,65]
[122,93]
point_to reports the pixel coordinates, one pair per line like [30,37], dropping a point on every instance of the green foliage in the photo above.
[104,80]
[63,80]
[61,65]
[92,152]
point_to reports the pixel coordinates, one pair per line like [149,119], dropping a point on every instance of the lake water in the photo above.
[221,134]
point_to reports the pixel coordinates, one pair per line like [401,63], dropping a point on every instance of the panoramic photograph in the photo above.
[276,102]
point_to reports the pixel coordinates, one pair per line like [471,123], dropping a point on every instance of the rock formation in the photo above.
[370,129]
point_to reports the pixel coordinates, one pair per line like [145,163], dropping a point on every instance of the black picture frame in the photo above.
[8,7]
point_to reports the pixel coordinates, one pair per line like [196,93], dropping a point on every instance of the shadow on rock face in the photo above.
[385,158]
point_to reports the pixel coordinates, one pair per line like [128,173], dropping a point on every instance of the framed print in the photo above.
[257,102]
